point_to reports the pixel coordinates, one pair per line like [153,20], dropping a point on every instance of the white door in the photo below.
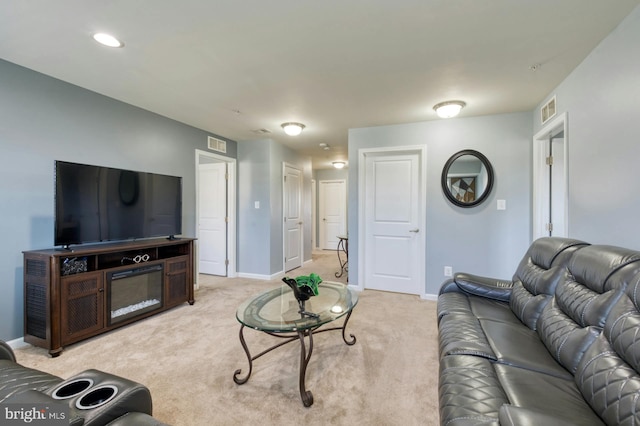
[292,197]
[393,212]
[212,213]
[333,212]
[550,180]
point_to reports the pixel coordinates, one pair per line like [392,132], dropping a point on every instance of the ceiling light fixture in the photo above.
[107,40]
[293,129]
[449,109]
[338,164]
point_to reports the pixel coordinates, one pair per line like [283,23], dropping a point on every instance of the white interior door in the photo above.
[333,212]
[550,180]
[393,214]
[292,197]
[212,213]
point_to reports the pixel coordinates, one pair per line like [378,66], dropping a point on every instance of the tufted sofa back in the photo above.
[608,374]
[593,281]
[538,274]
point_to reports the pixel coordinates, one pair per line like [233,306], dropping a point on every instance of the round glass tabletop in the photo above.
[277,310]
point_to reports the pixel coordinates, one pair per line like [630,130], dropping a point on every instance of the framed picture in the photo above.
[463,188]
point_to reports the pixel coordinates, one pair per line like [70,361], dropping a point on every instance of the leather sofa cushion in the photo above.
[557,397]
[609,384]
[462,334]
[510,415]
[15,378]
[492,309]
[469,390]
[517,345]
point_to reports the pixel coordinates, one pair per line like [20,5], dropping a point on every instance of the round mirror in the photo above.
[467,178]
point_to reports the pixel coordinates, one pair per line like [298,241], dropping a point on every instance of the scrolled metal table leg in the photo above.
[307,396]
[236,379]
[344,327]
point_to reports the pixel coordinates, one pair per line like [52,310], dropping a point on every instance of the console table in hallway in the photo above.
[343,247]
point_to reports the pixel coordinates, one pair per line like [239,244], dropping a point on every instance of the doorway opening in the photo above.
[551,180]
[215,194]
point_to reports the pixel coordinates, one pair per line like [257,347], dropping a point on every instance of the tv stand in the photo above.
[66,292]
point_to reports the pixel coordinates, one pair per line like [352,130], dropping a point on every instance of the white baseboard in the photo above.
[17,343]
[260,276]
[433,297]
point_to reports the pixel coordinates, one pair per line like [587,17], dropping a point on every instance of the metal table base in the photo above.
[305,355]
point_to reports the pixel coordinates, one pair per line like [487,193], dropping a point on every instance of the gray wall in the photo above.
[480,240]
[254,225]
[43,119]
[601,99]
[260,233]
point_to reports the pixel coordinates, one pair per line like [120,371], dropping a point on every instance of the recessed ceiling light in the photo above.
[107,40]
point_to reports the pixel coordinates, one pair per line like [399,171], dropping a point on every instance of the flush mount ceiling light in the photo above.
[338,164]
[107,40]
[449,109]
[293,129]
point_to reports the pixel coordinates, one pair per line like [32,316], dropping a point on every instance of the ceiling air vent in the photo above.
[216,144]
[548,110]
[262,131]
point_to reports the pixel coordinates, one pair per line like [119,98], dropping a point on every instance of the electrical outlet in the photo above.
[448,271]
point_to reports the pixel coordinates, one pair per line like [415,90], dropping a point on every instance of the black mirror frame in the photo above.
[445,172]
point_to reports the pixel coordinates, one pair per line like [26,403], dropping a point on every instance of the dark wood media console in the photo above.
[67,294]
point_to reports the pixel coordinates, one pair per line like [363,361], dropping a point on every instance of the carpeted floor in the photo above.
[187,357]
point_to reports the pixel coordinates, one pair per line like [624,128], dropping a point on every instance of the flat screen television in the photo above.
[94,204]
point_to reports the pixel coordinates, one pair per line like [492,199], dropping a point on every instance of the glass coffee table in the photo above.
[276,312]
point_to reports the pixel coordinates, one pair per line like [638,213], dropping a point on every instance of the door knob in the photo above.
[414,230]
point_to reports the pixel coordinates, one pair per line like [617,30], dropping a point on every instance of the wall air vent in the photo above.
[548,110]
[216,144]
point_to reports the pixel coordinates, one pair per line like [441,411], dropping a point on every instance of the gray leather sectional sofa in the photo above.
[90,398]
[559,344]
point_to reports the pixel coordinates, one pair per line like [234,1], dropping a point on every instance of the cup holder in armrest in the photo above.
[97,397]
[72,388]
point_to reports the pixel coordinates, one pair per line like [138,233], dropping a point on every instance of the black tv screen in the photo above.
[94,204]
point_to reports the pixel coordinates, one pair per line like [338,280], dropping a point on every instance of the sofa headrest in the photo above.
[602,268]
[544,251]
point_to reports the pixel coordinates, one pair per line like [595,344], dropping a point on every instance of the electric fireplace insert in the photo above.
[134,292]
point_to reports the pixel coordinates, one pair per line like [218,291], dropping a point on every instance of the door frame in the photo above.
[300,210]
[540,176]
[231,213]
[314,214]
[362,249]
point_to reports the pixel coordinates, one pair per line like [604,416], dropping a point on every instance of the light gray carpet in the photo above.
[187,357]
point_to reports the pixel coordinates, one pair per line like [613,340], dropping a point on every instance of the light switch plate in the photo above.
[502,204]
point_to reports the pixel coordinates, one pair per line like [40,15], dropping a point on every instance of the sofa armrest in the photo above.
[6,352]
[490,288]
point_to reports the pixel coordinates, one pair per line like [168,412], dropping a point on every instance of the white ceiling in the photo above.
[231,67]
